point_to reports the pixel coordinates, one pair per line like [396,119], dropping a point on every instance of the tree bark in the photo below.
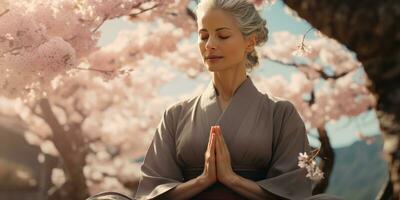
[70,150]
[370,29]
[386,191]
[327,162]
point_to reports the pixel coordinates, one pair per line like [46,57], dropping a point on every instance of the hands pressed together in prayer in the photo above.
[217,165]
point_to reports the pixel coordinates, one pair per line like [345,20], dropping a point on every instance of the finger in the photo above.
[209,142]
[221,137]
[212,130]
[218,130]
[218,133]
[218,143]
[212,148]
[222,149]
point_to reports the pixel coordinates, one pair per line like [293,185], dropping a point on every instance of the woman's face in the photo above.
[221,43]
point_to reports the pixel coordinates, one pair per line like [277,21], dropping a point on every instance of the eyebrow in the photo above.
[218,29]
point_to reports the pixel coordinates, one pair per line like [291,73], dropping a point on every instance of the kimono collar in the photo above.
[245,95]
[245,88]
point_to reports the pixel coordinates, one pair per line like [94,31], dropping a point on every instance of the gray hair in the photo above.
[248,19]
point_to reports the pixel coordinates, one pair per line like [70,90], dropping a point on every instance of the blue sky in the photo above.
[340,132]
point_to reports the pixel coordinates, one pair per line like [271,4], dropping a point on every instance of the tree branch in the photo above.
[191,14]
[321,73]
[327,156]
[5,12]
[74,160]
[133,15]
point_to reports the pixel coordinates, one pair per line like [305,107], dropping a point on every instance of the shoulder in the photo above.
[287,121]
[175,110]
[173,113]
[181,105]
[283,110]
[279,105]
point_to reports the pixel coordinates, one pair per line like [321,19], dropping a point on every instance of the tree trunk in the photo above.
[71,154]
[386,191]
[370,29]
[327,156]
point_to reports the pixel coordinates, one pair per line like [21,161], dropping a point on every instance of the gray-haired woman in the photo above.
[230,142]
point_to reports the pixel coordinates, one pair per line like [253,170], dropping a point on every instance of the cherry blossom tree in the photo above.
[50,61]
[53,37]
[97,135]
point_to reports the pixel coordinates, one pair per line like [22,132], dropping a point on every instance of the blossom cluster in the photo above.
[308,162]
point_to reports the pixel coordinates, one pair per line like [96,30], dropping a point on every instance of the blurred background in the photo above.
[84,86]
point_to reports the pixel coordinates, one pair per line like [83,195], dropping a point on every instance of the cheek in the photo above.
[201,48]
[234,50]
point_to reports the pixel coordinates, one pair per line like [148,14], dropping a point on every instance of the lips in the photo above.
[212,57]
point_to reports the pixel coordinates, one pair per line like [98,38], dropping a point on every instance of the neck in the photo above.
[228,81]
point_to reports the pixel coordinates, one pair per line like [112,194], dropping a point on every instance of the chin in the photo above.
[212,68]
[215,68]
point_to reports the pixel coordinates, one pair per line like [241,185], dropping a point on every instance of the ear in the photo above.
[251,42]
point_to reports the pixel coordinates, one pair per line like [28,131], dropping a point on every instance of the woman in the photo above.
[231,142]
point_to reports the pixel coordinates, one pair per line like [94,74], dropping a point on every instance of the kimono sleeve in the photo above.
[160,171]
[284,177]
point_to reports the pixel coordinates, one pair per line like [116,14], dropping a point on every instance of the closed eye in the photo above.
[224,38]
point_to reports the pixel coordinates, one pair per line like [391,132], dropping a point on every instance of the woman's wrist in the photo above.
[232,181]
[203,181]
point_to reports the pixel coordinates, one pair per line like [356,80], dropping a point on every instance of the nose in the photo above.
[210,44]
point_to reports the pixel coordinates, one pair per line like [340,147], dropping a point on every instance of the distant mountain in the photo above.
[359,171]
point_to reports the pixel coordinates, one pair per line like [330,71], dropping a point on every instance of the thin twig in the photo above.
[142,11]
[98,26]
[305,34]
[16,48]
[93,69]
[5,12]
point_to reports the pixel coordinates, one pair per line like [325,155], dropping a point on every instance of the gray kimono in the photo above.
[264,137]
